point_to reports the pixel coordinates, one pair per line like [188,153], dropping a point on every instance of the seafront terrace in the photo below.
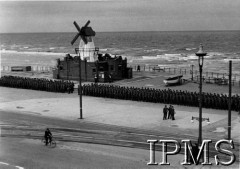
[220,78]
[142,116]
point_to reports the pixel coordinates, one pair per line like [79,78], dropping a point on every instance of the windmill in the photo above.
[86,46]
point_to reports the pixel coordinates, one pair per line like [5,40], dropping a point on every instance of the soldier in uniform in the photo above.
[170,112]
[173,113]
[165,111]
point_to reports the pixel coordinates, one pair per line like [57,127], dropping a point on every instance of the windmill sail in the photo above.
[86,45]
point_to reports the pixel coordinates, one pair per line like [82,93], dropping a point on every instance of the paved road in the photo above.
[30,126]
[33,126]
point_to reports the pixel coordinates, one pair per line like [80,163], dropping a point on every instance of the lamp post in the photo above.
[200,55]
[80,51]
[80,84]
[230,100]
[77,50]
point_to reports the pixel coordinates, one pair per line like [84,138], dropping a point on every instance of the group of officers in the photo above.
[37,84]
[166,96]
[169,113]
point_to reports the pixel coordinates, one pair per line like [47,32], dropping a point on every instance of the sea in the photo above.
[165,49]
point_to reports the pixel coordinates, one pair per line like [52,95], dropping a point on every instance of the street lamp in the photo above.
[82,52]
[77,50]
[200,55]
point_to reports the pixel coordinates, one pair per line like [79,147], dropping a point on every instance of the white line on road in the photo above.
[4,163]
[11,165]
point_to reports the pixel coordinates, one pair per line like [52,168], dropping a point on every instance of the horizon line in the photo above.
[128,31]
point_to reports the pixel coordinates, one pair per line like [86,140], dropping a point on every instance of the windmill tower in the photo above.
[87,48]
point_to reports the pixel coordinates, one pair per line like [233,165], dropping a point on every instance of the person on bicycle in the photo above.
[48,136]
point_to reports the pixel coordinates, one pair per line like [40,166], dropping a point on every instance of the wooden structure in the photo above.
[104,69]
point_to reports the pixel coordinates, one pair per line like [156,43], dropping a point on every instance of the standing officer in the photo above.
[165,111]
[173,113]
[170,112]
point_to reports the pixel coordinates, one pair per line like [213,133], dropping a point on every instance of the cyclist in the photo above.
[48,136]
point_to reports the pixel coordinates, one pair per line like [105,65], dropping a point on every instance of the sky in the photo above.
[119,15]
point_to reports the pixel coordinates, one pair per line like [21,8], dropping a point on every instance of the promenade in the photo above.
[134,114]
[125,113]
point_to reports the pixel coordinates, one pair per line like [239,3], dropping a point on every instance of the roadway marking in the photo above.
[4,163]
[11,165]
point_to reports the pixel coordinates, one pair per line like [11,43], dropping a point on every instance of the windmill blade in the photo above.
[76,25]
[84,39]
[88,22]
[75,38]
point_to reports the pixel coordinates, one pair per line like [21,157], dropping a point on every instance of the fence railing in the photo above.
[37,68]
[208,76]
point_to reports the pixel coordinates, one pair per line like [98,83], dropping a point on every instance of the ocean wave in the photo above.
[232,59]
[173,54]
[31,53]
[103,50]
[187,57]
[154,50]
[192,57]
[148,57]
[189,49]
[166,57]
[215,54]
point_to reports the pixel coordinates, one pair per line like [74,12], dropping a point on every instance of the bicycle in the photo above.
[52,143]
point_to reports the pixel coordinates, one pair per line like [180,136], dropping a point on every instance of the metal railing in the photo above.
[37,68]
[208,76]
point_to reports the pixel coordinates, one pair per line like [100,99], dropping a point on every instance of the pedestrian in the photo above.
[138,68]
[170,112]
[173,113]
[165,111]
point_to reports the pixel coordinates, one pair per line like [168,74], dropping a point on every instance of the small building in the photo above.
[104,69]
[94,67]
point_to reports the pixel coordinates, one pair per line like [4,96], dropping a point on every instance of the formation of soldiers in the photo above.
[37,84]
[166,96]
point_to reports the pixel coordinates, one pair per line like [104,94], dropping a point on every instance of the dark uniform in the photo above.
[165,111]
[170,112]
